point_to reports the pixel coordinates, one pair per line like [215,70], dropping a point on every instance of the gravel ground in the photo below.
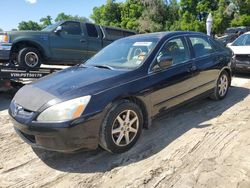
[204,144]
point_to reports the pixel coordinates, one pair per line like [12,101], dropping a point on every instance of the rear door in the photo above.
[70,43]
[206,59]
[173,85]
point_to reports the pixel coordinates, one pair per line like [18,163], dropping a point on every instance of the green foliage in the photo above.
[63,17]
[161,15]
[30,25]
[131,11]
[108,14]
[46,21]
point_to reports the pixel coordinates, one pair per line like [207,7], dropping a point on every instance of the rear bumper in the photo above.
[64,137]
[5,51]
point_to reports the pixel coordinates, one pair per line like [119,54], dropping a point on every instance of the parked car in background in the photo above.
[65,42]
[231,34]
[241,50]
[109,100]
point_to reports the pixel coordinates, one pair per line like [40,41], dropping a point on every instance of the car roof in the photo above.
[161,35]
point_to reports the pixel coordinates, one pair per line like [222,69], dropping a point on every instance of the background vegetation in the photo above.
[161,15]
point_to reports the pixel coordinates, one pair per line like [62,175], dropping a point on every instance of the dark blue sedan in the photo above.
[109,100]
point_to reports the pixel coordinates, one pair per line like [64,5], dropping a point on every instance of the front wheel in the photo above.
[221,89]
[29,58]
[122,127]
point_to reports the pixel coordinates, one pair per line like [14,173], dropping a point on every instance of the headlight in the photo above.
[4,38]
[65,111]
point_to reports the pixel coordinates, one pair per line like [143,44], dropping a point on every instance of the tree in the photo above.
[1,30]
[108,14]
[46,21]
[64,17]
[131,11]
[154,16]
[30,25]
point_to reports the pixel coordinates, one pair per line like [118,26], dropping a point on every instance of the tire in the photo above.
[222,86]
[29,58]
[116,134]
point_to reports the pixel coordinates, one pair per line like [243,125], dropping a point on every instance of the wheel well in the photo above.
[142,106]
[229,73]
[19,45]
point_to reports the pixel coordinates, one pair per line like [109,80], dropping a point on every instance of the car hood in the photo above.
[65,85]
[240,49]
[30,32]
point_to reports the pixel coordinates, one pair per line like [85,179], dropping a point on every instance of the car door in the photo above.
[94,39]
[173,85]
[69,43]
[206,59]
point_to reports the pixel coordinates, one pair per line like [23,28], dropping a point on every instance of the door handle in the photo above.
[83,40]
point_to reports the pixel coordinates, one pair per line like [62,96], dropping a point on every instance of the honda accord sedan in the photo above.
[111,98]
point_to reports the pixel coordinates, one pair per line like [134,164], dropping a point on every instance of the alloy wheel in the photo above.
[223,85]
[125,128]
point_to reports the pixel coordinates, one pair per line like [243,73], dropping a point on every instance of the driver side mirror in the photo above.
[58,29]
[165,61]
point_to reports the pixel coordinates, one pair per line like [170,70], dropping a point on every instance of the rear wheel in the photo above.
[221,89]
[29,58]
[121,127]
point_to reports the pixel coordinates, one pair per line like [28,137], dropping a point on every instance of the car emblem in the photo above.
[16,109]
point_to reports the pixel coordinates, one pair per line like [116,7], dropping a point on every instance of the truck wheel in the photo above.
[29,58]
[121,127]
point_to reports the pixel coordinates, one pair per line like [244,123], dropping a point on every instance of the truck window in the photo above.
[71,28]
[91,30]
[114,32]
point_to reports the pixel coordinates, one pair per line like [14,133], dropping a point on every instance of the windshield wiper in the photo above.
[104,67]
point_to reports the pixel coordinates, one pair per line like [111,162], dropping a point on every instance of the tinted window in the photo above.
[201,46]
[116,32]
[91,30]
[177,49]
[71,28]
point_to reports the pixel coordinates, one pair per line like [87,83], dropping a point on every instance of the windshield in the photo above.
[51,27]
[127,53]
[243,40]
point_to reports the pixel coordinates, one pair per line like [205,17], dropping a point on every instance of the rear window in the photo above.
[116,32]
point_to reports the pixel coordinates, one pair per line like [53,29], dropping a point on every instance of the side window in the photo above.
[91,30]
[201,46]
[176,49]
[71,28]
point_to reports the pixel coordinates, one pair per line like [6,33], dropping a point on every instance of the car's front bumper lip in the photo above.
[5,51]
[63,137]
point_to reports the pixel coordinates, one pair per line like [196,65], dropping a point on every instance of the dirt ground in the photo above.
[204,144]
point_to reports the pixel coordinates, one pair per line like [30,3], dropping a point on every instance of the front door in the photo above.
[70,43]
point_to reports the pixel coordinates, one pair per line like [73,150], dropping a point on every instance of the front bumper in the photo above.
[5,51]
[63,137]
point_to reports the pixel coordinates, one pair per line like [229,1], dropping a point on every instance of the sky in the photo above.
[13,12]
